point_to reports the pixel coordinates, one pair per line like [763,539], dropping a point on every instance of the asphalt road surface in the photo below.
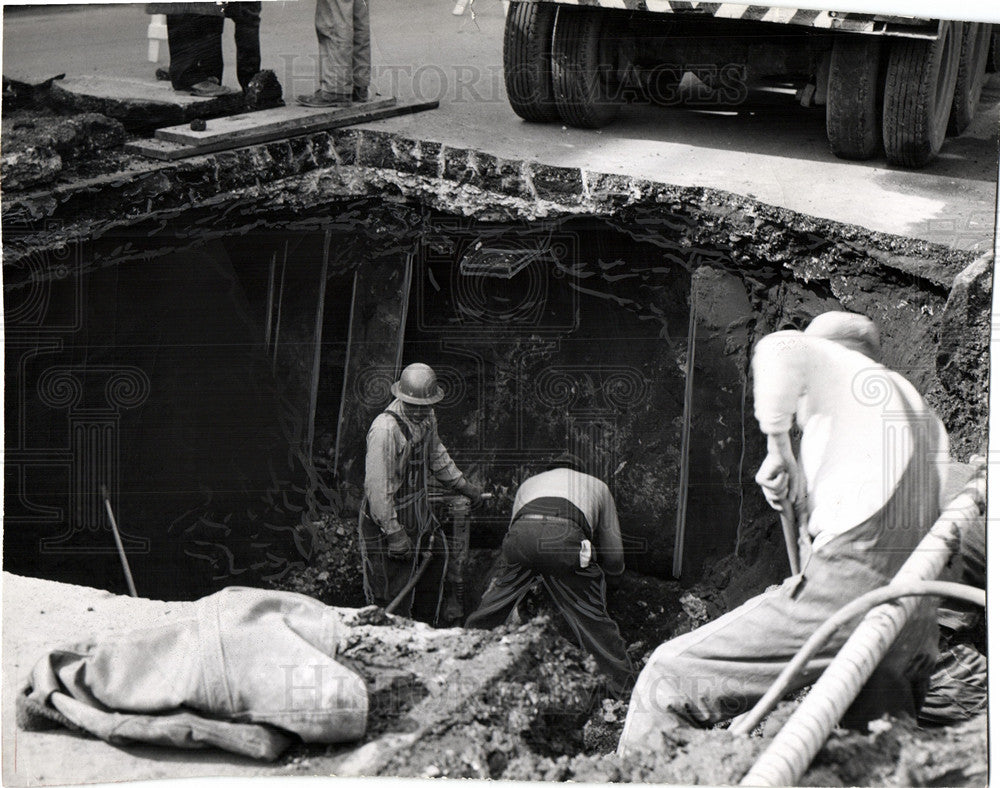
[768,148]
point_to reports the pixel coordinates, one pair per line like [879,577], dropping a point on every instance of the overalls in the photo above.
[385,577]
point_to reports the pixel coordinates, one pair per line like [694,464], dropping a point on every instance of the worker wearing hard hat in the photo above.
[564,534]
[396,520]
[867,485]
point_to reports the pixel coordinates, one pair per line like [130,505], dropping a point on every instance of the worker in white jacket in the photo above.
[868,484]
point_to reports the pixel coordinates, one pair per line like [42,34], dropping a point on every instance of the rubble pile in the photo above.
[39,148]
[521,703]
[518,703]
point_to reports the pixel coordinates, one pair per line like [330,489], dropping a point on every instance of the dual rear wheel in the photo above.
[905,95]
[561,63]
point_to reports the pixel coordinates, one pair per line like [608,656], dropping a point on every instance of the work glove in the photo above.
[471,491]
[400,545]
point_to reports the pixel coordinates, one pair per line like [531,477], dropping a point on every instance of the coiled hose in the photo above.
[862,604]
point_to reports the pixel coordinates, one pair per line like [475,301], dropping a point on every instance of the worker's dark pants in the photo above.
[246,17]
[721,669]
[195,43]
[580,596]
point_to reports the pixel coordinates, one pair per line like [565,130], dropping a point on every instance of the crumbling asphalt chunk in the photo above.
[36,146]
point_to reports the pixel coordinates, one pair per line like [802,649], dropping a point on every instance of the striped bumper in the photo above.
[911,27]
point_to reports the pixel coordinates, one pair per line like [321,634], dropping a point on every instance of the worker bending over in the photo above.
[396,520]
[869,482]
[564,532]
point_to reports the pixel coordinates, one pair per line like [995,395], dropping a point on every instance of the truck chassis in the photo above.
[888,83]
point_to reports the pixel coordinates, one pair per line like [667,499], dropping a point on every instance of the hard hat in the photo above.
[417,385]
[853,331]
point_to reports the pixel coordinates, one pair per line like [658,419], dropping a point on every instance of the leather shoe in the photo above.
[209,88]
[322,99]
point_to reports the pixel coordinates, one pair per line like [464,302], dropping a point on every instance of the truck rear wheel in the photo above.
[527,61]
[585,67]
[977,38]
[854,98]
[919,89]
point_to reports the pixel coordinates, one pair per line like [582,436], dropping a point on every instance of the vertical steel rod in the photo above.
[407,282]
[270,301]
[317,348]
[685,437]
[347,369]
[277,324]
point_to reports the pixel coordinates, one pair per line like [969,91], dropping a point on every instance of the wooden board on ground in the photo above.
[253,128]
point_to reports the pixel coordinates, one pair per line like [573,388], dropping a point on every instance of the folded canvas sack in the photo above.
[245,670]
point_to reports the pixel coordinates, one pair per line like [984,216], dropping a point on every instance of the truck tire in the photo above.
[854,97]
[919,89]
[527,61]
[584,72]
[977,38]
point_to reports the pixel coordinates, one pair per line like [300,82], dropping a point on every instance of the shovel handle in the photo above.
[412,582]
[791,531]
[118,541]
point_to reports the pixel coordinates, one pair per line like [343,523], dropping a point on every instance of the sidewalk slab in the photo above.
[140,104]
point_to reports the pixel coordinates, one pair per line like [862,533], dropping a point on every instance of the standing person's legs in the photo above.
[212,58]
[335,33]
[508,586]
[362,51]
[195,44]
[246,18]
[580,597]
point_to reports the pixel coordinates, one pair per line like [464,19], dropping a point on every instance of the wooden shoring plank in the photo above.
[248,125]
[172,151]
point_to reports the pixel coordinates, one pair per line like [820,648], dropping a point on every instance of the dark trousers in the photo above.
[580,597]
[246,18]
[195,44]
